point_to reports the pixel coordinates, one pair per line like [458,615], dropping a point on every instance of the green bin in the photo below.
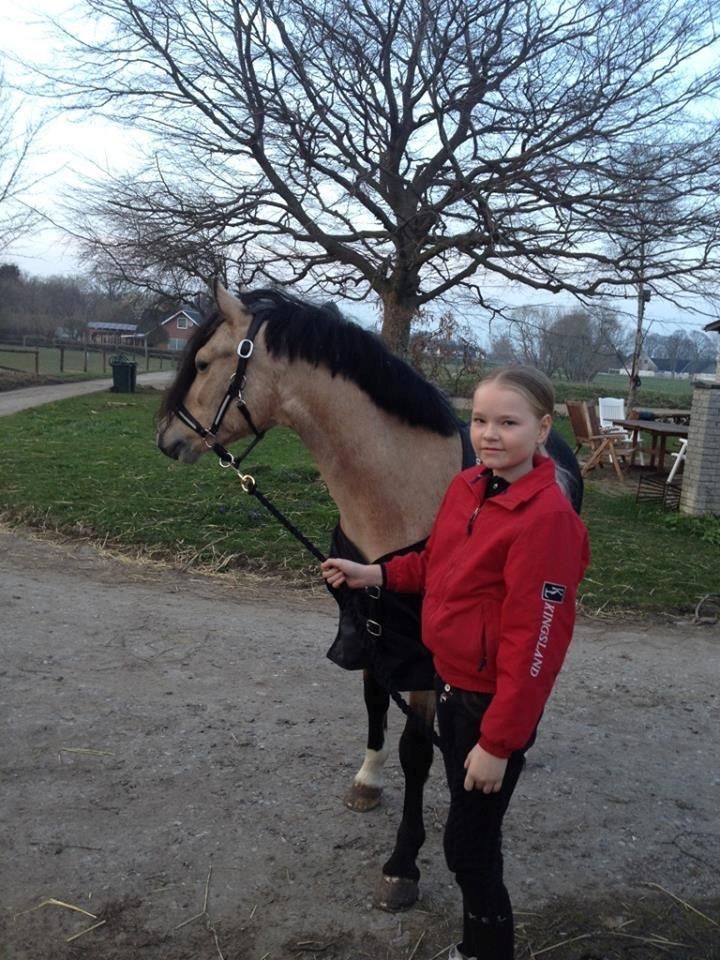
[124,373]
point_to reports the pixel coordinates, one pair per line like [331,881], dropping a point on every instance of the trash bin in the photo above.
[124,373]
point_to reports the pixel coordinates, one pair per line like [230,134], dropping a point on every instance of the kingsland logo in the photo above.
[543,638]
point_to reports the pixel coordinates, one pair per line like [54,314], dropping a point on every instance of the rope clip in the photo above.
[247,482]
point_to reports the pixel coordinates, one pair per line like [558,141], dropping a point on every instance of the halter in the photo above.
[234,392]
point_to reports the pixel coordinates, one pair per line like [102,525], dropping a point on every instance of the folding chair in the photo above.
[613,408]
[583,419]
[679,457]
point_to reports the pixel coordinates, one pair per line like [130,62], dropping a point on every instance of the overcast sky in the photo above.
[68,149]
[72,149]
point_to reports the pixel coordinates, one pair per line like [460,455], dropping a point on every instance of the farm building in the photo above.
[100,332]
[683,367]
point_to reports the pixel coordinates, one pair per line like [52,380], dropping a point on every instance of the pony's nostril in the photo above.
[173,450]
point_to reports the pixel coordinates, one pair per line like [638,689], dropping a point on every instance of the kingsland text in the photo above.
[543,638]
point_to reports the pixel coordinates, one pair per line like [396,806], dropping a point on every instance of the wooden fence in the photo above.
[50,356]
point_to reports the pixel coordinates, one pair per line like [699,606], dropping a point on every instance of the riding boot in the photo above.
[488,938]
[457,954]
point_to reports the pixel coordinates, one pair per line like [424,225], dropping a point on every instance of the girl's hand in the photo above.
[337,572]
[484,771]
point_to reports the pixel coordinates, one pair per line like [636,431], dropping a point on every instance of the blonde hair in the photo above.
[540,394]
[527,381]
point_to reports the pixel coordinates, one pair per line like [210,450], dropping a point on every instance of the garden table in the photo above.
[670,416]
[659,432]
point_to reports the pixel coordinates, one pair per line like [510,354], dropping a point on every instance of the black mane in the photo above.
[320,335]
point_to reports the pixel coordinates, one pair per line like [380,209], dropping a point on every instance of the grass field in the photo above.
[89,467]
[618,384]
[653,393]
[74,362]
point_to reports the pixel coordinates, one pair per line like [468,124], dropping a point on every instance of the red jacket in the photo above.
[499,578]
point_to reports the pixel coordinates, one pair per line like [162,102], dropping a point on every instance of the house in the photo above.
[179,327]
[100,332]
[682,367]
[646,364]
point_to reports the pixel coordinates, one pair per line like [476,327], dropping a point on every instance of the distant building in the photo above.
[100,332]
[179,327]
[682,367]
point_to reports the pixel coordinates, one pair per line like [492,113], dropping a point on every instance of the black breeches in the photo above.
[473,832]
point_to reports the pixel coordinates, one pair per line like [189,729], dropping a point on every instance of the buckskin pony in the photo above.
[386,443]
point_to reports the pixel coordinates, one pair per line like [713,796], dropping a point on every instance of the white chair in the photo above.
[613,408]
[679,457]
[609,409]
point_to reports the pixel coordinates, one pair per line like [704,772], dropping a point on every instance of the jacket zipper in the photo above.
[483,651]
[473,518]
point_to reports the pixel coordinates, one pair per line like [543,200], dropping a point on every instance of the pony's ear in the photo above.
[228,305]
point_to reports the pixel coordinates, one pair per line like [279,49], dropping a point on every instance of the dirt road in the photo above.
[177,745]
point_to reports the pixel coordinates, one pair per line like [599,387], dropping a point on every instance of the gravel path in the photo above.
[159,724]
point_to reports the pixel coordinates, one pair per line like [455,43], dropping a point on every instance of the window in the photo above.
[182,322]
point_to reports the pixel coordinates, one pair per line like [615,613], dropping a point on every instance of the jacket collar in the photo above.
[541,476]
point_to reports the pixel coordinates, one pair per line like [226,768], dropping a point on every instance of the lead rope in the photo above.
[250,487]
[247,482]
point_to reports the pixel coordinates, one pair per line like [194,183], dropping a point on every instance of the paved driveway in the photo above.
[12,401]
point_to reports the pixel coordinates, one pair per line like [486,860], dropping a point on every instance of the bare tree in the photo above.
[583,343]
[17,218]
[447,351]
[526,338]
[407,148]
[572,344]
[665,226]
[705,348]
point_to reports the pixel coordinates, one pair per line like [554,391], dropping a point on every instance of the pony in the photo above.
[387,444]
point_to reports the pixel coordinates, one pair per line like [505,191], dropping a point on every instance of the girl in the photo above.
[499,575]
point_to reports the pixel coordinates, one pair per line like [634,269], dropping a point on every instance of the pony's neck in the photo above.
[386,478]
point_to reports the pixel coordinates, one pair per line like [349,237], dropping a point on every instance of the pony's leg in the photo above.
[398,887]
[367,787]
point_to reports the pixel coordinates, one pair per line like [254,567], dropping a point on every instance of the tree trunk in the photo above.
[398,315]
[637,350]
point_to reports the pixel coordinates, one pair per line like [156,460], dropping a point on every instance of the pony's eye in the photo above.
[201,365]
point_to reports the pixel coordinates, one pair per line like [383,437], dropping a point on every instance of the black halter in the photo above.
[234,392]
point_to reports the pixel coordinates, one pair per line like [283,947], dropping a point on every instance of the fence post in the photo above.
[62,359]
[37,361]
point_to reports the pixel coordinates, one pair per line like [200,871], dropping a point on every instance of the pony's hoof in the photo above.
[362,798]
[395,893]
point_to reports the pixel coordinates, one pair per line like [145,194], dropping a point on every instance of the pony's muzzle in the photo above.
[182,449]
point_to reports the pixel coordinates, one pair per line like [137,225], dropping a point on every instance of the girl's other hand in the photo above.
[356,575]
[484,771]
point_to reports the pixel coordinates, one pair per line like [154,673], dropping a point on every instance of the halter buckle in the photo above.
[245,349]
